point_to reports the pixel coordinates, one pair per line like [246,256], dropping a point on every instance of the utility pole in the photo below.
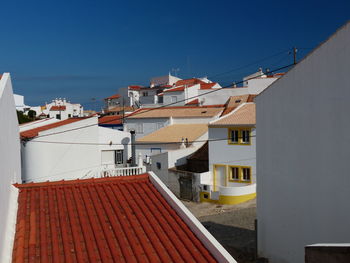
[295,55]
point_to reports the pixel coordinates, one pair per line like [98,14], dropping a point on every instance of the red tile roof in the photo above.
[207,85]
[115,96]
[34,132]
[181,88]
[193,102]
[135,87]
[114,219]
[58,108]
[110,120]
[192,81]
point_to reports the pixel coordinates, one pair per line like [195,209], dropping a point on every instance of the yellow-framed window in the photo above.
[240,174]
[239,136]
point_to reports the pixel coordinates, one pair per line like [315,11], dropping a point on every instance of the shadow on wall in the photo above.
[239,242]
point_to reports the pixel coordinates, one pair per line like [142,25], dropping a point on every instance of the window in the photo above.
[246,174]
[205,196]
[119,157]
[240,174]
[241,136]
[58,116]
[234,136]
[159,165]
[205,187]
[234,174]
[69,115]
[145,94]
[245,136]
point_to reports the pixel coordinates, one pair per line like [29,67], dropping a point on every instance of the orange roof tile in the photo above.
[175,133]
[176,112]
[114,219]
[110,120]
[242,115]
[115,96]
[207,85]
[120,108]
[34,132]
[135,87]
[58,108]
[193,102]
[233,102]
[191,81]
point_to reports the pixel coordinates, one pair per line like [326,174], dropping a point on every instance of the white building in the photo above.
[10,164]
[60,109]
[19,102]
[146,121]
[71,149]
[232,162]
[302,154]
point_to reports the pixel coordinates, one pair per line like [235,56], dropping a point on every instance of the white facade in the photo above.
[19,102]
[302,154]
[71,152]
[163,80]
[10,164]
[60,109]
[145,126]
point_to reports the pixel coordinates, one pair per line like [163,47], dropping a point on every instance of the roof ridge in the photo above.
[132,178]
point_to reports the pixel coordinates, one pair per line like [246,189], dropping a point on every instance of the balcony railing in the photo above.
[116,171]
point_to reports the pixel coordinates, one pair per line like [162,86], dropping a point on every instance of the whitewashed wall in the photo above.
[148,125]
[56,161]
[180,97]
[10,164]
[221,96]
[118,140]
[303,153]
[220,152]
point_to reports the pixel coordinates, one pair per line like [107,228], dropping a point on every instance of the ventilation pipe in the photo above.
[133,149]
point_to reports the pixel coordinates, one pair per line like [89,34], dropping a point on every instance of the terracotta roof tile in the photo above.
[191,81]
[115,219]
[175,133]
[34,132]
[176,112]
[110,120]
[193,102]
[115,96]
[242,115]
[120,108]
[58,108]
[135,87]
[207,85]
[233,102]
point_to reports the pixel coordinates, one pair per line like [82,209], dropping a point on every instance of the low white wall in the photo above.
[244,189]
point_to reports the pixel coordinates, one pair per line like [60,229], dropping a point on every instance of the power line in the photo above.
[120,144]
[250,64]
[139,111]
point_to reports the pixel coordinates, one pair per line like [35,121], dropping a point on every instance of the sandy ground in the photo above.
[231,225]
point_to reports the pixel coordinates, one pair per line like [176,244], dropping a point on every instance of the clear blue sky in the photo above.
[83,49]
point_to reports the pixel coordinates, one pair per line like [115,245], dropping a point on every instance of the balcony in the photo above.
[115,171]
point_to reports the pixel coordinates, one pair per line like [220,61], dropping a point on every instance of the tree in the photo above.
[22,118]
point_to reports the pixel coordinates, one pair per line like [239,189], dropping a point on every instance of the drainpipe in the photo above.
[133,149]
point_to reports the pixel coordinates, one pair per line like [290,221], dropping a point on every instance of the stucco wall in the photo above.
[119,140]
[56,161]
[10,164]
[302,154]
[149,125]
[220,152]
